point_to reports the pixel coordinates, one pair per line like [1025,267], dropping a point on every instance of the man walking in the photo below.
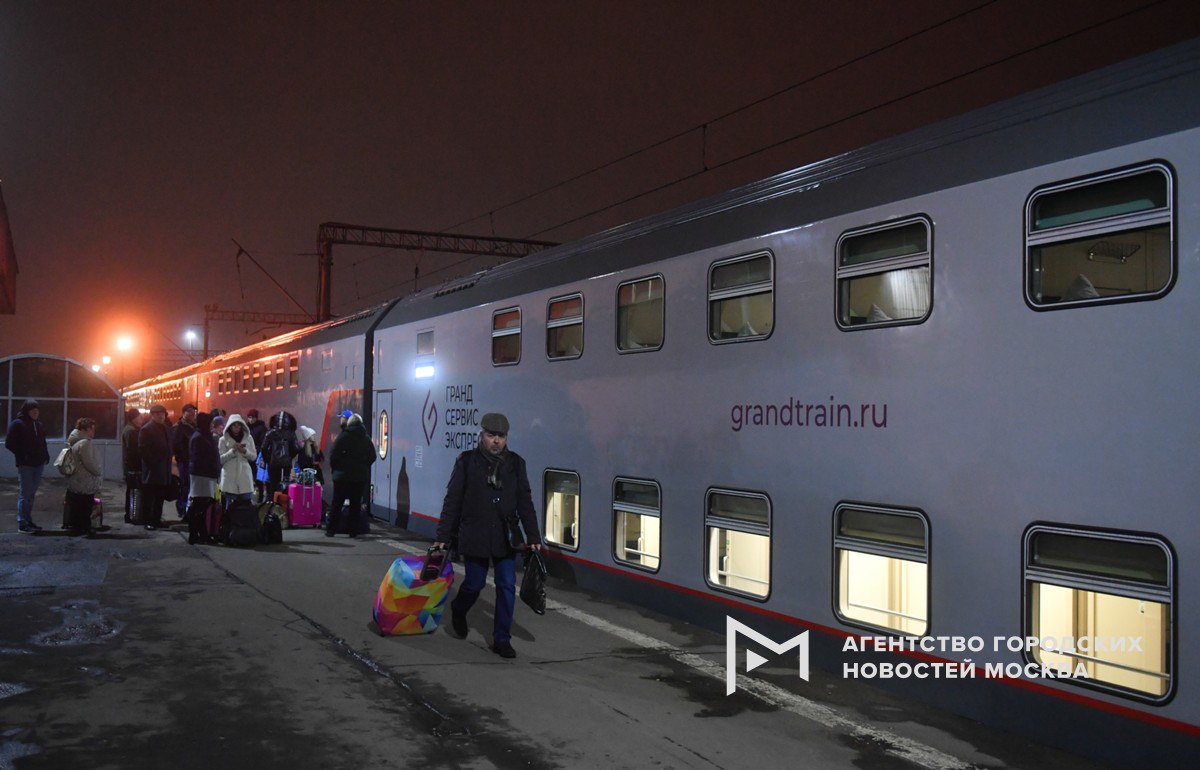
[27,441]
[488,491]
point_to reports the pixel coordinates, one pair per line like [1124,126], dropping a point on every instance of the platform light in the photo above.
[96,368]
[106,360]
[124,343]
[424,372]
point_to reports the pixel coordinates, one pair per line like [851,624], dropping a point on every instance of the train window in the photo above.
[640,317]
[741,298]
[237,380]
[738,542]
[1098,240]
[294,371]
[564,327]
[256,376]
[636,516]
[1113,595]
[881,558]
[562,508]
[246,381]
[506,336]
[883,275]
[279,374]
[425,346]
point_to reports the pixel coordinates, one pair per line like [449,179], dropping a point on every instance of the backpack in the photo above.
[66,462]
[278,452]
[271,532]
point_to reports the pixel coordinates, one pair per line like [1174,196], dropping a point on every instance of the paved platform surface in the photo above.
[136,650]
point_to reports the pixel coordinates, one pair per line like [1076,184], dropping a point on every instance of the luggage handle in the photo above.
[435,562]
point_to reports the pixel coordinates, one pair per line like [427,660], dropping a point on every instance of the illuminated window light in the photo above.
[424,372]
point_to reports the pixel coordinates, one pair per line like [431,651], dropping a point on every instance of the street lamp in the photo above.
[124,344]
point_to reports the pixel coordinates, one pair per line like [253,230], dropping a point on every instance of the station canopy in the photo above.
[65,391]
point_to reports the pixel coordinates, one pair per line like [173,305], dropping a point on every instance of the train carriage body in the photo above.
[936,391]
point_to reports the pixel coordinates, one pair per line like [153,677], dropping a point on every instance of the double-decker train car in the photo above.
[937,392]
[315,373]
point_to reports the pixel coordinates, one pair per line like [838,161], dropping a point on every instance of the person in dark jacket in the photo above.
[350,460]
[26,439]
[258,432]
[488,487]
[279,449]
[154,448]
[181,437]
[204,470]
[131,461]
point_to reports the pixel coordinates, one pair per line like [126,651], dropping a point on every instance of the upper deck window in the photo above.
[883,275]
[640,315]
[506,336]
[1102,239]
[741,298]
[564,327]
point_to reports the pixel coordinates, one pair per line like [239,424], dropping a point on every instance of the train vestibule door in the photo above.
[382,482]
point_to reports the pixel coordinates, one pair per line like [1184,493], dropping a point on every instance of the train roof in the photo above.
[1117,105]
[337,329]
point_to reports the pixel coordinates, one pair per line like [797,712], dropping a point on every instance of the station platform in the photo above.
[136,650]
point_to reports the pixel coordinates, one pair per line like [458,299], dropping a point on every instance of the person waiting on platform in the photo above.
[235,446]
[350,460]
[310,456]
[131,461]
[84,484]
[154,449]
[26,439]
[489,487]
[181,437]
[258,432]
[204,468]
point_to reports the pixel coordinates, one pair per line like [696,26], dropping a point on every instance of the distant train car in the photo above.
[315,373]
[937,392]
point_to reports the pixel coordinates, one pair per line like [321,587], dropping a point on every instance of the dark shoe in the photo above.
[26,527]
[36,528]
[328,533]
[504,649]
[458,626]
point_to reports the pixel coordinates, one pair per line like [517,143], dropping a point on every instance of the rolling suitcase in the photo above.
[406,604]
[305,505]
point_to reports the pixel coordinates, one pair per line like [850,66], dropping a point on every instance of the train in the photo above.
[937,392]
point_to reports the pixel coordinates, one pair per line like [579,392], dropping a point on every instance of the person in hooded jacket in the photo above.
[204,467]
[26,439]
[279,450]
[350,460]
[310,455]
[154,447]
[84,484]
[235,446]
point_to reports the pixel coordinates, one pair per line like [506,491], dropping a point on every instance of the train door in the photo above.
[382,481]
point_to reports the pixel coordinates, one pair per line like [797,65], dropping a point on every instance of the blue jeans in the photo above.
[506,592]
[29,477]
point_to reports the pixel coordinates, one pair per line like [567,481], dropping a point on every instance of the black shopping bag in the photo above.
[533,585]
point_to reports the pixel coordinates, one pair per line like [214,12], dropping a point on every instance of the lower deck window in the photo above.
[1114,591]
[738,542]
[562,508]
[636,516]
[882,559]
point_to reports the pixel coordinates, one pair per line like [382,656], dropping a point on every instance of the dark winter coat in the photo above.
[131,461]
[154,447]
[476,514]
[258,432]
[204,459]
[352,454]
[181,437]
[26,438]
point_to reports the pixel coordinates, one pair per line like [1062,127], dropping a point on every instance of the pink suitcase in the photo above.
[304,505]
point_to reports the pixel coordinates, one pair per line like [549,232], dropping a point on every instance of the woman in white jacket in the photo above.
[84,484]
[237,452]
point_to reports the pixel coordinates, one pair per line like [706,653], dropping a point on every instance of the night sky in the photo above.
[138,140]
